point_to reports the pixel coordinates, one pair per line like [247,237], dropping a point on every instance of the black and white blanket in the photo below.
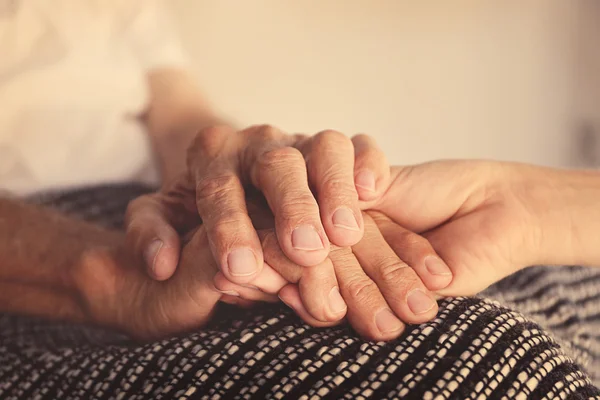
[535,335]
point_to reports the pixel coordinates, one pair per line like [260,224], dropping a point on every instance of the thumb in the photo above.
[151,237]
[422,197]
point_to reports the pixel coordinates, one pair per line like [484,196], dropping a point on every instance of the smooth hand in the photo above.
[485,219]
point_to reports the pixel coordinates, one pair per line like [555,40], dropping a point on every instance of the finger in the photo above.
[464,254]
[371,169]
[318,286]
[368,312]
[416,251]
[280,173]
[290,295]
[151,236]
[237,301]
[400,285]
[274,257]
[221,203]
[248,292]
[320,293]
[269,281]
[331,172]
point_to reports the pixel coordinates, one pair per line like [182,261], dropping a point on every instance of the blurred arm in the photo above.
[42,256]
[176,113]
[177,108]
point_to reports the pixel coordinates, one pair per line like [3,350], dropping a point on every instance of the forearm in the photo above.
[177,111]
[567,203]
[42,254]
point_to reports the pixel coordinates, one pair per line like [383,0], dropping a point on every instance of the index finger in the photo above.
[220,198]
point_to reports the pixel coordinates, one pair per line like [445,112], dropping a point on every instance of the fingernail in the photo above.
[229,292]
[250,286]
[241,262]
[305,237]
[336,302]
[343,217]
[366,180]
[436,266]
[151,253]
[419,302]
[284,302]
[387,322]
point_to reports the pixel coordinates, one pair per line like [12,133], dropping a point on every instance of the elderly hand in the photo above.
[119,294]
[223,164]
[380,285]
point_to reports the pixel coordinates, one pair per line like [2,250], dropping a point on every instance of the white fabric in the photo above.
[72,83]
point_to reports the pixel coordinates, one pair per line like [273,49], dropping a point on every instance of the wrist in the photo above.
[172,141]
[566,209]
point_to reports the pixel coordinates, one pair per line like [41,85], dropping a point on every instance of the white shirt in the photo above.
[72,83]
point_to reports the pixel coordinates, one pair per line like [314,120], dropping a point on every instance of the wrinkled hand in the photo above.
[224,163]
[376,287]
[119,293]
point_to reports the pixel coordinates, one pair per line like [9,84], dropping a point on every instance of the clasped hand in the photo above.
[260,213]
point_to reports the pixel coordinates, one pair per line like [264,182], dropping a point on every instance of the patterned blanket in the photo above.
[533,335]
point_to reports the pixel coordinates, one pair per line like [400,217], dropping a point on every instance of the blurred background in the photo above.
[512,79]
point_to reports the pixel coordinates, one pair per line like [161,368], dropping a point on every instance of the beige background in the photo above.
[429,79]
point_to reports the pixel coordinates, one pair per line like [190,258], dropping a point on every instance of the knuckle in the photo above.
[338,184]
[297,206]
[209,132]
[332,137]
[224,229]
[208,141]
[361,288]
[342,254]
[131,210]
[362,137]
[391,269]
[410,240]
[216,187]
[280,157]
[370,154]
[377,217]
[268,241]
[266,132]
[138,207]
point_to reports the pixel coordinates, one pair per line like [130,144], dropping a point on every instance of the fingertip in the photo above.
[165,263]
[220,282]
[151,254]
[243,265]
[422,304]
[368,185]
[243,292]
[366,180]
[269,281]
[346,228]
[307,238]
[290,296]
[434,273]
[161,259]
[307,246]
[388,325]
[337,305]
[371,169]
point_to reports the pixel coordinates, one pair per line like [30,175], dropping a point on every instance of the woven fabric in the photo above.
[475,348]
